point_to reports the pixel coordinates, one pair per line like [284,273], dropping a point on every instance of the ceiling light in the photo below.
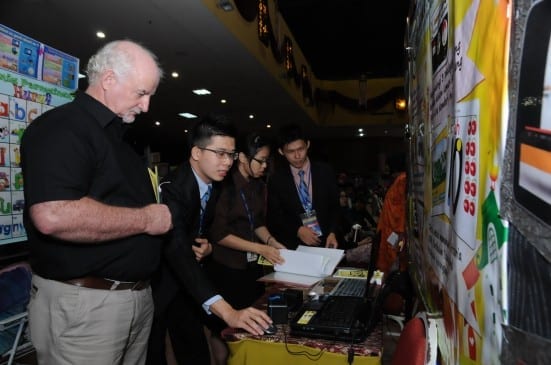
[223,101]
[157,123]
[268,126]
[251,116]
[225,5]
[187,115]
[100,34]
[360,130]
[400,104]
[175,74]
[201,92]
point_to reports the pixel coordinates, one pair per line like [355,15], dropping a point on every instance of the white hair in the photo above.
[114,56]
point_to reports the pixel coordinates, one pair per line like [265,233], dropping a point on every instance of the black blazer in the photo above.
[284,206]
[179,270]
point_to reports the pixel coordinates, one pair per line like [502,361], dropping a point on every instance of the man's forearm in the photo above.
[87,220]
[222,309]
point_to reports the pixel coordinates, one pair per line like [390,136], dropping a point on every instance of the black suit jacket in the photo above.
[179,270]
[284,206]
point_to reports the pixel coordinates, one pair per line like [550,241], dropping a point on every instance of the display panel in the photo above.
[34,78]
[532,187]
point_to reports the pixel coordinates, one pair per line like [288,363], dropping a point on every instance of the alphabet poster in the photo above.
[34,78]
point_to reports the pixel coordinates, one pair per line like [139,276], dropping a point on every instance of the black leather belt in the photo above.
[92,282]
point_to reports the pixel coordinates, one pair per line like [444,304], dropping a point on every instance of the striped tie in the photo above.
[303,192]
[204,200]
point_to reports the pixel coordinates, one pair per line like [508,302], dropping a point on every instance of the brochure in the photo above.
[306,265]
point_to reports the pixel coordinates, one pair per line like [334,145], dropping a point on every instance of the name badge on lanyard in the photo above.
[310,220]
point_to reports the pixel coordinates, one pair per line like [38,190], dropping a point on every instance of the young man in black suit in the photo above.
[303,201]
[182,287]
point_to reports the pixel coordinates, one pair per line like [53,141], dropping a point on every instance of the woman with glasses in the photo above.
[239,233]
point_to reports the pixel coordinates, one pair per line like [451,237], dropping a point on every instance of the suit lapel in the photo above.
[191,198]
[316,188]
[291,188]
[210,209]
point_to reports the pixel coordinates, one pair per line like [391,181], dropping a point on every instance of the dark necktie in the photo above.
[303,192]
[204,200]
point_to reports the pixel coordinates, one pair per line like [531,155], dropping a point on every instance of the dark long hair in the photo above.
[250,143]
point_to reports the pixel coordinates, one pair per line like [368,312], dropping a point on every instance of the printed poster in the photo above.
[34,78]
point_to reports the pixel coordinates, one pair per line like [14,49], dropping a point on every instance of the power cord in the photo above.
[351,354]
[310,356]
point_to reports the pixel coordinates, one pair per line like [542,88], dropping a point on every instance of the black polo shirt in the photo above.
[77,150]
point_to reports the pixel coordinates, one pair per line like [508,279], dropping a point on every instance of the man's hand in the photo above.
[203,250]
[331,241]
[250,319]
[159,219]
[308,236]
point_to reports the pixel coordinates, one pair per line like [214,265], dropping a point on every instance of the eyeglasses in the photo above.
[221,153]
[262,162]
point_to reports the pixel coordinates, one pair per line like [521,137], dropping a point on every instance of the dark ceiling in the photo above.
[341,39]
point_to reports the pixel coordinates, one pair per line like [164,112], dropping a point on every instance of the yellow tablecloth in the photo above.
[247,349]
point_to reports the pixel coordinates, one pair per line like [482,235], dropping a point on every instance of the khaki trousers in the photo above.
[74,325]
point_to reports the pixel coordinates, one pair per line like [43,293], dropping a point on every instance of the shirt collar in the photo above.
[203,186]
[305,168]
[102,114]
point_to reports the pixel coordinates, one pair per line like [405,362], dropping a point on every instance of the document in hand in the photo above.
[310,261]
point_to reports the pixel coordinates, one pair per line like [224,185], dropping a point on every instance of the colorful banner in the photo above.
[457,82]
[24,64]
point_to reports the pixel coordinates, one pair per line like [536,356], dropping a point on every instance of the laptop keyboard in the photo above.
[349,288]
[338,311]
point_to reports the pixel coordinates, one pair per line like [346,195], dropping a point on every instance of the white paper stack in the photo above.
[306,265]
[311,261]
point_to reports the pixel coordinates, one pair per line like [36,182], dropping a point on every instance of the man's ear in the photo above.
[108,79]
[243,158]
[195,153]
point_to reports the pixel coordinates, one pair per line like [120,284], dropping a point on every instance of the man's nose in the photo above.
[144,103]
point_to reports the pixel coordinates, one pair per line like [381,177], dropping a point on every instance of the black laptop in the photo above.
[333,318]
[340,317]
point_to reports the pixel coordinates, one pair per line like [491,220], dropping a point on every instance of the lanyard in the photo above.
[249,213]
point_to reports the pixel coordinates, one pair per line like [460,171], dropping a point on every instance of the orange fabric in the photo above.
[412,344]
[392,219]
